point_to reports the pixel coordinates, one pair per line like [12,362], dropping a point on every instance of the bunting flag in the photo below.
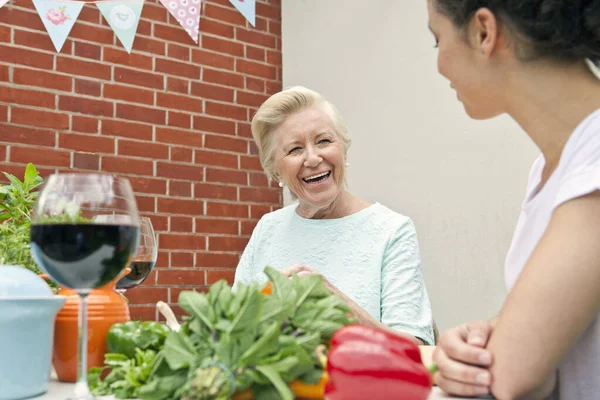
[58,17]
[123,17]
[187,13]
[247,8]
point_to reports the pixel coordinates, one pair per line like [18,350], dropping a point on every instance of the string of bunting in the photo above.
[123,16]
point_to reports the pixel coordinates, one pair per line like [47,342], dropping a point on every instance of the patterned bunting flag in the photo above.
[123,17]
[247,8]
[58,17]
[187,13]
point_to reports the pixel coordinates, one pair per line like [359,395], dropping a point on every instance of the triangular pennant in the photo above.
[3,2]
[123,17]
[247,8]
[187,13]
[58,17]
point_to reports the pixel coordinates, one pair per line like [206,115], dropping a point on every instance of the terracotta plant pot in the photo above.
[105,308]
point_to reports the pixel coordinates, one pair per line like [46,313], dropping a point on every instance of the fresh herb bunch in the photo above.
[126,376]
[241,340]
[133,348]
[16,202]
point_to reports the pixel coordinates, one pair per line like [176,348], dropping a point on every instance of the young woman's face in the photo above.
[462,62]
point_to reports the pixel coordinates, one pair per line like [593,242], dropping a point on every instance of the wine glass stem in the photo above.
[81,387]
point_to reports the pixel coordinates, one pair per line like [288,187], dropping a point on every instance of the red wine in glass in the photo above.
[82,256]
[139,272]
[144,259]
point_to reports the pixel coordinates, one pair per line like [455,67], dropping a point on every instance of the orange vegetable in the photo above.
[268,289]
[301,390]
[245,395]
[304,391]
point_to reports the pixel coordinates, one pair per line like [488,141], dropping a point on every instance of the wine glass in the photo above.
[145,257]
[78,250]
[144,260]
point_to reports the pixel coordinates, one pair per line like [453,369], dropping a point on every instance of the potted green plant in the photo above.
[16,203]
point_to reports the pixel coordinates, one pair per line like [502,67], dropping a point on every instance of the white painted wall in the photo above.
[414,148]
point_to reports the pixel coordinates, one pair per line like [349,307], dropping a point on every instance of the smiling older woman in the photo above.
[365,252]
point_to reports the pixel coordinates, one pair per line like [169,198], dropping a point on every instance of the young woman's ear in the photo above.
[485,31]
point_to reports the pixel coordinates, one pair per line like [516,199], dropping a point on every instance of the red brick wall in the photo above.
[173,116]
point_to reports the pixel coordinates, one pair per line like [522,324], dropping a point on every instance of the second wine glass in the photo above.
[144,260]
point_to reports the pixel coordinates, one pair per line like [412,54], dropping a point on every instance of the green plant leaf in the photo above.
[179,351]
[224,300]
[306,313]
[266,344]
[215,291]
[326,328]
[163,387]
[31,174]
[237,300]
[249,312]
[309,341]
[282,388]
[312,377]
[305,287]
[265,392]
[16,183]
[282,286]
[16,202]
[196,326]
[197,305]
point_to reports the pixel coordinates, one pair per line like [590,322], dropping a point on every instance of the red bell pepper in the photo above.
[369,367]
[395,343]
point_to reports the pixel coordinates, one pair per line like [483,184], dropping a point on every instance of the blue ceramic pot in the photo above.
[27,312]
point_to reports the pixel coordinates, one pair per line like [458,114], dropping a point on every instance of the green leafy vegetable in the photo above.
[124,338]
[233,341]
[127,375]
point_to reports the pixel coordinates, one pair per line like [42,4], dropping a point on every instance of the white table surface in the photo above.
[61,391]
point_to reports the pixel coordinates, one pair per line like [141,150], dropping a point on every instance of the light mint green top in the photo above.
[372,256]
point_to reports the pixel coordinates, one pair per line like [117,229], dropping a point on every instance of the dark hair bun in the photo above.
[565,30]
[591,24]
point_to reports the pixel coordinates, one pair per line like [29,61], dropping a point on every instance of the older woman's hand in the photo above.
[463,361]
[303,270]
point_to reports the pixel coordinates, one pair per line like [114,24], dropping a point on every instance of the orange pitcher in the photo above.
[105,308]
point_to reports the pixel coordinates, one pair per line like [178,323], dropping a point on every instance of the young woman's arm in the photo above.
[555,298]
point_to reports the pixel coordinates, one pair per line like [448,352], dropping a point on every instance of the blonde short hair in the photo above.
[274,111]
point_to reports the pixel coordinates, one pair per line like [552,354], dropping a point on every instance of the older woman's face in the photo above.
[310,157]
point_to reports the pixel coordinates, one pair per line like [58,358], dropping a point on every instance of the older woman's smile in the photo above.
[316,179]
